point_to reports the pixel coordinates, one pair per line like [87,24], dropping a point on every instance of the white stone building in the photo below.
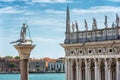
[92,54]
[56,66]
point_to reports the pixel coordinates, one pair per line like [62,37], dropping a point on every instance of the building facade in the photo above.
[92,54]
[9,65]
[37,66]
[56,66]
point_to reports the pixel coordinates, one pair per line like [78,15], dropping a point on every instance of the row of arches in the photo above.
[93,69]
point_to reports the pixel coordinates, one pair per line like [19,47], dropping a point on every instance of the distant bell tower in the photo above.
[67,33]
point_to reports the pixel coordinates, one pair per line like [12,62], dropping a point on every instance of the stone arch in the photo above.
[83,70]
[102,70]
[113,70]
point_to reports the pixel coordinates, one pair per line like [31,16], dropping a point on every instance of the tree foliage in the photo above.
[8,57]
[17,57]
[12,65]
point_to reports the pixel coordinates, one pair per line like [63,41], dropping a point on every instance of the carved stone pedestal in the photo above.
[24,53]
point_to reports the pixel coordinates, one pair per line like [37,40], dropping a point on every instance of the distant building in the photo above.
[3,65]
[37,65]
[56,66]
[9,65]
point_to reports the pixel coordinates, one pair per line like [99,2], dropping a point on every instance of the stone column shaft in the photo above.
[68,72]
[106,70]
[96,72]
[24,69]
[71,70]
[80,75]
[86,70]
[77,72]
[117,70]
[109,76]
[89,73]
[66,68]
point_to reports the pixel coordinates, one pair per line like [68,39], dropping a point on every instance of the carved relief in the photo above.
[66,52]
[105,50]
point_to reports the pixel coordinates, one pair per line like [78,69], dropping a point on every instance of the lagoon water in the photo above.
[37,76]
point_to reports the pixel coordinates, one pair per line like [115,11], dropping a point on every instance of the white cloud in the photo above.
[9,9]
[30,13]
[24,0]
[54,11]
[50,1]
[7,0]
[115,0]
[97,9]
[47,22]
[43,5]
[12,0]
[41,39]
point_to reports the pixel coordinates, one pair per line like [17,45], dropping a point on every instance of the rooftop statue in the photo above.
[76,26]
[86,26]
[94,25]
[23,35]
[113,25]
[105,23]
[73,27]
[117,20]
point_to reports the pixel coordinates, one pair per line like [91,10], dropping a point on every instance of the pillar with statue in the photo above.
[24,47]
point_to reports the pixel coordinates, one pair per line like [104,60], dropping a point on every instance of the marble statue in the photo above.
[86,26]
[23,32]
[73,27]
[76,26]
[105,23]
[94,25]
[22,35]
[113,25]
[117,20]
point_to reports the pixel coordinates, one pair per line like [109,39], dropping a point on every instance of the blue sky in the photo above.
[46,21]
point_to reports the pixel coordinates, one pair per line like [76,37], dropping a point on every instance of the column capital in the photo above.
[117,59]
[71,60]
[95,59]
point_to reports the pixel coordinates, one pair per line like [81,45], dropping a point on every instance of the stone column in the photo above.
[106,70]
[99,75]
[109,76]
[80,77]
[86,70]
[77,72]
[89,70]
[66,68]
[24,53]
[98,70]
[71,69]
[89,74]
[117,70]
[95,70]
